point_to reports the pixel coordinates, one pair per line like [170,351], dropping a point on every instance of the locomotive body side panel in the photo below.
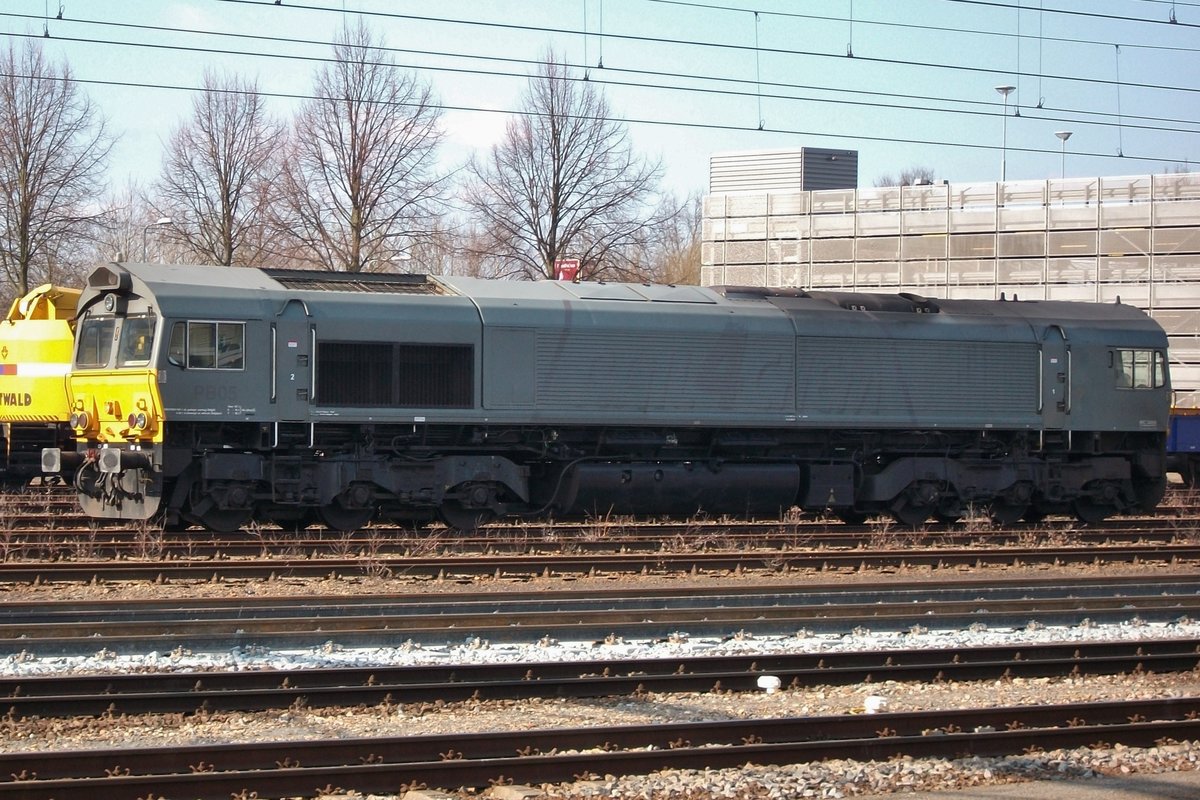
[628,357]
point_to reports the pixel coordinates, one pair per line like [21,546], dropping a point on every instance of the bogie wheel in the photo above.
[463,519]
[224,520]
[1005,513]
[1034,515]
[1091,512]
[346,520]
[911,515]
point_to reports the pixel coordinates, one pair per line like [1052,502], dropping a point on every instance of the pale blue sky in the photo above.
[919,89]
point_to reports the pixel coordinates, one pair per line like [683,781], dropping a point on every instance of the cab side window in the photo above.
[208,345]
[230,344]
[1139,369]
[202,345]
[177,348]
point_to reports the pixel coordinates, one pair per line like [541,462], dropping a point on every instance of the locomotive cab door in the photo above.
[1055,378]
[292,336]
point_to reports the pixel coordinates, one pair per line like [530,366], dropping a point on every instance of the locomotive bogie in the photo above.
[226,395]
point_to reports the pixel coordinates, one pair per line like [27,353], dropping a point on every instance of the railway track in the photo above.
[296,768]
[84,628]
[194,692]
[74,543]
[468,567]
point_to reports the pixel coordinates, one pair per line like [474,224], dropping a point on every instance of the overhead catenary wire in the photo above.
[1074,13]
[532,62]
[916,26]
[630,120]
[607,80]
[522,61]
[658,40]
[760,87]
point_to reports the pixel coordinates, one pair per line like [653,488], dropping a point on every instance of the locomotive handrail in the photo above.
[1069,382]
[1041,373]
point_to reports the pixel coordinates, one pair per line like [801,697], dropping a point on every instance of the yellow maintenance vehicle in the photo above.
[36,342]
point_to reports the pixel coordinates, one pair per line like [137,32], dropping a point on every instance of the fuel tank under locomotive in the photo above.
[678,489]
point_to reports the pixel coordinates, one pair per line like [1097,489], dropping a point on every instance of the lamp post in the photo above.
[157,223]
[1063,135]
[1004,91]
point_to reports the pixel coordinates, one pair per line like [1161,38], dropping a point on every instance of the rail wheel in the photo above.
[1090,511]
[911,514]
[916,504]
[225,508]
[1004,512]
[1034,515]
[463,519]
[346,520]
[224,520]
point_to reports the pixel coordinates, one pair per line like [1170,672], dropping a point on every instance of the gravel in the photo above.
[833,779]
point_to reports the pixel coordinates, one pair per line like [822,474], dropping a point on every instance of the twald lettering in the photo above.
[16,399]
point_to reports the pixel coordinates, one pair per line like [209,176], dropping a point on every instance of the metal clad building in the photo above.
[1096,239]
[806,169]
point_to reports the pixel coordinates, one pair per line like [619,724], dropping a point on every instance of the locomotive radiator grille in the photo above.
[386,375]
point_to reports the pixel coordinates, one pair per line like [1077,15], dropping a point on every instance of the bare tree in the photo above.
[53,149]
[564,183]
[675,247]
[358,180]
[912,176]
[215,173]
[125,220]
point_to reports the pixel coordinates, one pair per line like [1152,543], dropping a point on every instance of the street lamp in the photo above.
[1064,135]
[1004,91]
[157,223]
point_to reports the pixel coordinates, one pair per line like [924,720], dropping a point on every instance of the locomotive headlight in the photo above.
[110,302]
[137,421]
[79,420]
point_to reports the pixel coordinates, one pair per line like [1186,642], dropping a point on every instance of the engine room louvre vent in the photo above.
[380,283]
[386,375]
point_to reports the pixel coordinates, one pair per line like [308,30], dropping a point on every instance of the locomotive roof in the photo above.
[188,289]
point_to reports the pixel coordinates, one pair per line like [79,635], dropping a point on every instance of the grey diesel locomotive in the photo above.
[217,396]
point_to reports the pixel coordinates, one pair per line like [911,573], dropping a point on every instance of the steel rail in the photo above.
[529,566]
[373,620]
[210,691]
[479,759]
[82,543]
